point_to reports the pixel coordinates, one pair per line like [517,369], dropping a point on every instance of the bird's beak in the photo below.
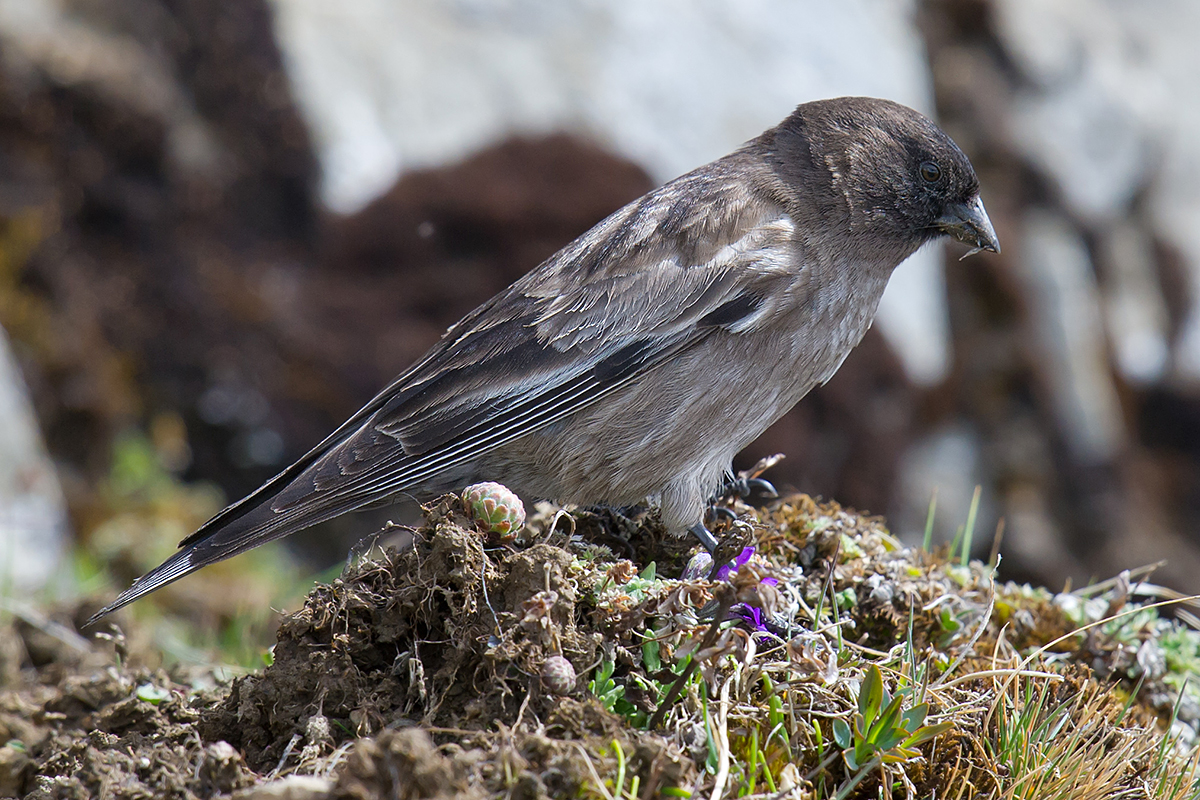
[969,224]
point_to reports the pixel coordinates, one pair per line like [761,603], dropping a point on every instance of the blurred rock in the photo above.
[147,153]
[946,464]
[1033,540]
[1133,306]
[1110,109]
[1065,307]
[33,515]
[74,51]
[1086,109]
[669,85]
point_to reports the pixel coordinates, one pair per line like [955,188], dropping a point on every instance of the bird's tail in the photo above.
[253,521]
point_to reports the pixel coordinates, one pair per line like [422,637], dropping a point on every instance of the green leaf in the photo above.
[152,694]
[870,694]
[887,720]
[915,717]
[650,655]
[649,572]
[711,764]
[841,733]
[925,734]
[863,750]
[890,738]
[850,548]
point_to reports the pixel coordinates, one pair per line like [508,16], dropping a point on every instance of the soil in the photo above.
[409,676]
[437,671]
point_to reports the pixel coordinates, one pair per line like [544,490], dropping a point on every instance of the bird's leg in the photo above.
[739,487]
[723,551]
[735,489]
[704,535]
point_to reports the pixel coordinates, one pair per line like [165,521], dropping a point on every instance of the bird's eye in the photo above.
[930,171]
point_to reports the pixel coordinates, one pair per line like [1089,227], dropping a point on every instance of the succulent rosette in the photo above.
[494,508]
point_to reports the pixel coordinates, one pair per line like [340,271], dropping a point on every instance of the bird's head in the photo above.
[893,175]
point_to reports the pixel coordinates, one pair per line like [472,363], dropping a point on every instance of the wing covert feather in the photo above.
[553,343]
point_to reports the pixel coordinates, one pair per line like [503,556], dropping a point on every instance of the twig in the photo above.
[287,751]
[483,583]
[986,673]
[723,606]
[970,646]
[722,739]
[595,775]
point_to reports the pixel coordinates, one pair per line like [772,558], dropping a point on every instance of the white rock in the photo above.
[1090,117]
[1065,304]
[1135,312]
[33,517]
[1114,111]
[670,84]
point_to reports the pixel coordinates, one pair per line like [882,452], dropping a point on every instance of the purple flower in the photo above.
[698,567]
[751,616]
[727,570]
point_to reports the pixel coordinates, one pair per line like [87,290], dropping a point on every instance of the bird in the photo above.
[633,364]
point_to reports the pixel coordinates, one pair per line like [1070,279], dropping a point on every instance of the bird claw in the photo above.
[722,513]
[761,486]
[747,482]
[743,487]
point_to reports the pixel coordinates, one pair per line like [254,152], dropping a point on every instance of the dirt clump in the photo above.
[444,634]
[403,764]
[108,731]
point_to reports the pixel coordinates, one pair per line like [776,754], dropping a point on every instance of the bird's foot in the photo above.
[722,514]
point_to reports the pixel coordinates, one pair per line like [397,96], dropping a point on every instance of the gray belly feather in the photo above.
[672,435]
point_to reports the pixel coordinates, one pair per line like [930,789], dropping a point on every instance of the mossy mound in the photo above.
[827,660]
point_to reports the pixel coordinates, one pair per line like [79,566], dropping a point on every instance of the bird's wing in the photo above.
[655,278]
[552,344]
